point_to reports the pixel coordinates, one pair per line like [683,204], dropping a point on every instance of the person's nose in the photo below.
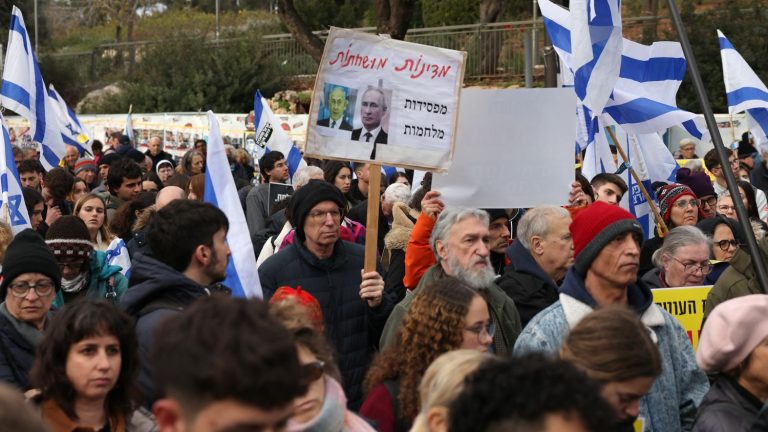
[633,409]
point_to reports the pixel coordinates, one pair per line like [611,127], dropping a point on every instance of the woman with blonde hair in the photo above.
[615,349]
[447,315]
[92,210]
[442,382]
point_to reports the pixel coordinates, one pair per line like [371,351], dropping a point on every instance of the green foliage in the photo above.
[27,10]
[192,75]
[436,13]
[322,14]
[743,23]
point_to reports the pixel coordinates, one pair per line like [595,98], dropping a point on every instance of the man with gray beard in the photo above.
[460,241]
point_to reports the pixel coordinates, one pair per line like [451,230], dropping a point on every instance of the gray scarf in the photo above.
[28,331]
[75,285]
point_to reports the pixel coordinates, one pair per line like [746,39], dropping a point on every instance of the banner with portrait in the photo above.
[384,100]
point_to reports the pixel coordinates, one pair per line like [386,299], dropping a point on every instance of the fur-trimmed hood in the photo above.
[403,219]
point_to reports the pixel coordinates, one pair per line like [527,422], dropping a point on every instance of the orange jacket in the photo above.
[418,255]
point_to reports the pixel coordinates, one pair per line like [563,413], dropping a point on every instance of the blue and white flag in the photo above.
[596,44]
[117,254]
[14,210]
[24,92]
[72,131]
[598,157]
[220,191]
[272,137]
[129,128]
[744,90]
[634,200]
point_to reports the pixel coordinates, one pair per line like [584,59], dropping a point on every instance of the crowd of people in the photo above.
[538,319]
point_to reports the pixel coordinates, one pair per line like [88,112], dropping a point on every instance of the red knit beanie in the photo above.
[594,227]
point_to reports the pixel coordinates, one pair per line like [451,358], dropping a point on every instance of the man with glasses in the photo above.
[606,243]
[355,305]
[713,165]
[701,185]
[30,280]
[85,272]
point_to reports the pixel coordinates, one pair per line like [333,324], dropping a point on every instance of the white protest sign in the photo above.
[384,100]
[514,149]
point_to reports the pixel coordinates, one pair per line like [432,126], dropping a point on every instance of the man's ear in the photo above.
[168,416]
[536,244]
[202,254]
[441,250]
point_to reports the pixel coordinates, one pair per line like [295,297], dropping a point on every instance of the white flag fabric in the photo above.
[14,210]
[242,276]
[24,92]
[117,254]
[272,137]
[72,131]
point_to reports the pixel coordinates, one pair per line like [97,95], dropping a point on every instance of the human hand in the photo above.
[52,215]
[371,288]
[431,204]
[577,197]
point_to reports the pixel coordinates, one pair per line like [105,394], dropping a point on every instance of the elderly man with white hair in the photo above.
[394,193]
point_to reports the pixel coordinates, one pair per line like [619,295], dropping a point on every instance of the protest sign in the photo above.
[687,305]
[514,148]
[278,192]
[384,100]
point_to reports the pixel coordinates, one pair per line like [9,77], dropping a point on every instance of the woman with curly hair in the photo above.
[446,316]
[193,162]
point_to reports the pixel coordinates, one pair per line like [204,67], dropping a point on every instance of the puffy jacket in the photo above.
[727,407]
[16,356]
[501,308]
[739,279]
[350,325]
[418,255]
[526,283]
[156,292]
[106,281]
[671,404]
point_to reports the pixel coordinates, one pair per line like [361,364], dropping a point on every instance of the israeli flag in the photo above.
[744,90]
[272,137]
[596,44]
[117,254]
[220,191]
[14,210]
[129,128]
[72,132]
[634,200]
[598,157]
[24,92]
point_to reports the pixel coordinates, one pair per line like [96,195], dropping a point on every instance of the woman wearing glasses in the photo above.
[726,238]
[446,316]
[682,260]
[678,206]
[30,280]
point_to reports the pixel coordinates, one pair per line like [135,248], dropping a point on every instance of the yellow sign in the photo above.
[687,305]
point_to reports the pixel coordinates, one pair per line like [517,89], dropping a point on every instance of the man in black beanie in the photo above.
[30,280]
[354,304]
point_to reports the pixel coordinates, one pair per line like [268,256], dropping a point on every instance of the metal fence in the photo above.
[494,51]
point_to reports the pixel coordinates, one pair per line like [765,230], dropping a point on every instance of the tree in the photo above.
[309,41]
[394,17]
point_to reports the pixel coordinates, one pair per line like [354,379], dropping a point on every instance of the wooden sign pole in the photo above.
[372,220]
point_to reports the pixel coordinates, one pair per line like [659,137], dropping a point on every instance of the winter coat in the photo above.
[727,407]
[671,404]
[16,356]
[501,307]
[257,208]
[395,244]
[759,176]
[653,279]
[107,282]
[156,292]
[419,256]
[739,279]
[359,214]
[525,282]
[350,325]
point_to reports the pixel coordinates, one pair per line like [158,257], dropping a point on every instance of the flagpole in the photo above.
[656,215]
[722,155]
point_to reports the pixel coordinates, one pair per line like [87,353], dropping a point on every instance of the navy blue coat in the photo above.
[16,356]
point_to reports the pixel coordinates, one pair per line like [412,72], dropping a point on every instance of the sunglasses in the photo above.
[313,371]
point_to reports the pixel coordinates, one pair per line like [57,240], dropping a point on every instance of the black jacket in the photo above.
[727,407]
[163,155]
[16,356]
[526,283]
[155,292]
[350,325]
[359,213]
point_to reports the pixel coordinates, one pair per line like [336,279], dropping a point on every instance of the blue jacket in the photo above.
[99,285]
[671,404]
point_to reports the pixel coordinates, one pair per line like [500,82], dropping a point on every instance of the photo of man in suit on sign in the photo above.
[337,105]
[373,107]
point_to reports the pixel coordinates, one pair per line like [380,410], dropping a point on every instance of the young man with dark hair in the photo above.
[57,184]
[274,169]
[608,188]
[531,393]
[240,374]
[712,163]
[35,206]
[124,184]
[190,253]
[31,173]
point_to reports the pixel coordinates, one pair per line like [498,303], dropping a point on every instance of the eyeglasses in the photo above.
[725,244]
[312,371]
[711,202]
[693,267]
[683,203]
[74,265]
[42,288]
[725,208]
[321,215]
[480,330]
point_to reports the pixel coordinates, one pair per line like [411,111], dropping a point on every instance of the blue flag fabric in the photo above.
[272,137]
[242,276]
[14,210]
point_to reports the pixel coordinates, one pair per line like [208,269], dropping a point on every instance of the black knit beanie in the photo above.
[494,214]
[28,253]
[310,195]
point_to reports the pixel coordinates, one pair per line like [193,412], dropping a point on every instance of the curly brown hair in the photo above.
[432,326]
